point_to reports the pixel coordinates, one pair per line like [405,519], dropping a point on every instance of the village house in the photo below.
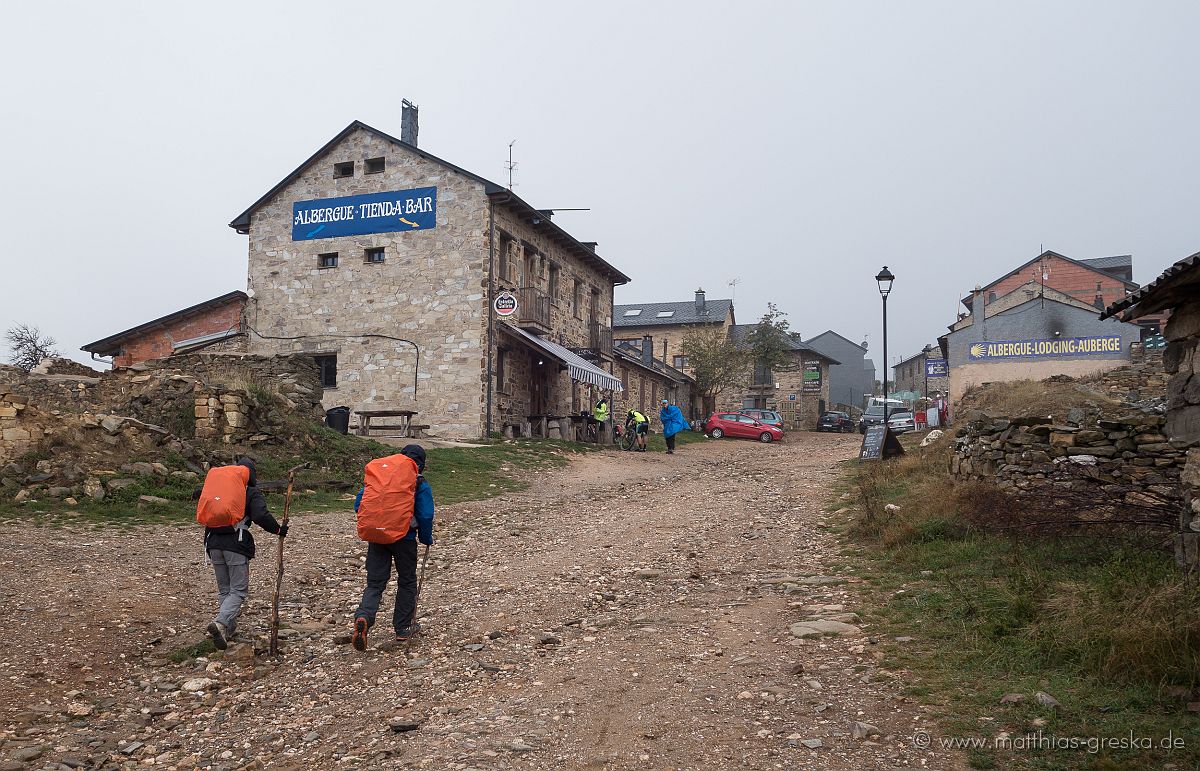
[798,390]
[852,379]
[418,285]
[648,380]
[213,325]
[668,323]
[923,374]
[1178,290]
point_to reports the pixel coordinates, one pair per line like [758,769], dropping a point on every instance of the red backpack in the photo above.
[223,499]
[385,513]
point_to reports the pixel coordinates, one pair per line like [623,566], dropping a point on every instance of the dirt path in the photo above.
[628,612]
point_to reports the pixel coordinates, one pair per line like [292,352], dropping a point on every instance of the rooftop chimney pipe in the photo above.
[701,306]
[647,350]
[408,122]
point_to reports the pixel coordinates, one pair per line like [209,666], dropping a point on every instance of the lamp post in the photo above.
[885,279]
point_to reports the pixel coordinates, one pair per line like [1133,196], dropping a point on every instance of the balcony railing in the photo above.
[600,339]
[533,309]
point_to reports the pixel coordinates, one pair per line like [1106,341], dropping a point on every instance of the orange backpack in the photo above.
[223,499]
[385,513]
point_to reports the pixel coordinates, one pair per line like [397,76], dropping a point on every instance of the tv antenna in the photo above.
[733,282]
[511,165]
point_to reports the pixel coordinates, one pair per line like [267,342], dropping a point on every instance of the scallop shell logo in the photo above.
[976,351]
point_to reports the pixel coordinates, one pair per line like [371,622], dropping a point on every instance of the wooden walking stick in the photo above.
[287,502]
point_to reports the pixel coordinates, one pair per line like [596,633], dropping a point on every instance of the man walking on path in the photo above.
[672,423]
[390,543]
[231,547]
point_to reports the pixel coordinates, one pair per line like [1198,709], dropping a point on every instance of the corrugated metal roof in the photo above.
[655,314]
[1143,301]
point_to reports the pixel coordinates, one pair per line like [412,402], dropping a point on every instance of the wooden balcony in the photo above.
[533,310]
[600,338]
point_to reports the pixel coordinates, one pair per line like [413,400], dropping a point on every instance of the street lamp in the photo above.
[885,279]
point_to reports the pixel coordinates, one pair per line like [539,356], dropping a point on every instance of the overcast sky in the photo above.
[796,146]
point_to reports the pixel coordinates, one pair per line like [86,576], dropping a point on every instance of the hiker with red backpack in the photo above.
[395,510]
[229,502]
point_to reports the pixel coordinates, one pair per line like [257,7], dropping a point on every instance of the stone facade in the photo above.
[1182,363]
[646,385]
[668,337]
[910,375]
[786,391]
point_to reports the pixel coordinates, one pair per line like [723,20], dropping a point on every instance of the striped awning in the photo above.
[580,369]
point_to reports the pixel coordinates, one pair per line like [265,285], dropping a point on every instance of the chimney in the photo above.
[978,311]
[590,244]
[701,308]
[408,122]
[647,350]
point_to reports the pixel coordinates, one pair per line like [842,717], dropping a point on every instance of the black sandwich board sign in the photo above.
[879,442]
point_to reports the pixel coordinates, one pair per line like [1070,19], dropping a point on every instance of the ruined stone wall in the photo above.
[1129,453]
[1182,364]
[430,288]
[20,430]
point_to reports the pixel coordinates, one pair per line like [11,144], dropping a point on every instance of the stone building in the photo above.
[853,377]
[213,325]
[669,323]
[1178,290]
[924,374]
[384,262]
[648,380]
[1095,282]
[1031,334]
[798,390]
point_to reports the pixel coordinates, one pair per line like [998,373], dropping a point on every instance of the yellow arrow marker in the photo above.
[410,224]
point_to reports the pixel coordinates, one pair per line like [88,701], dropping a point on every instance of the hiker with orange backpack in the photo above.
[395,510]
[229,502]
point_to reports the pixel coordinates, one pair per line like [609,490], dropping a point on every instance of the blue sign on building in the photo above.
[1021,349]
[936,368]
[356,215]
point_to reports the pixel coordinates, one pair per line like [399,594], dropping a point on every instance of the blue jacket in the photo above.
[422,510]
[672,420]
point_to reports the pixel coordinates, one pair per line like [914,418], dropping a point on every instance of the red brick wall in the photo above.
[1067,277]
[157,343]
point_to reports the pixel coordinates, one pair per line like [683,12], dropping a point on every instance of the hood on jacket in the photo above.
[248,462]
[417,453]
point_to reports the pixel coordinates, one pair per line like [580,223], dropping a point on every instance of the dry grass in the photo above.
[1031,397]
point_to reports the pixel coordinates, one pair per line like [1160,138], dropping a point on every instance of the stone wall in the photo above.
[20,430]
[430,289]
[1182,364]
[801,413]
[1127,453]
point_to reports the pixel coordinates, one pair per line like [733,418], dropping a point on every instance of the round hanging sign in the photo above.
[505,304]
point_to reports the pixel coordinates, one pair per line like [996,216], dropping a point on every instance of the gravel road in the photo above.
[631,611]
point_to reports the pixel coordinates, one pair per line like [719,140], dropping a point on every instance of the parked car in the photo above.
[872,417]
[835,421]
[770,417]
[736,424]
[900,421]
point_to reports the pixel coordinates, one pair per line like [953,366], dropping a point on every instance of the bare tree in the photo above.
[715,362]
[28,346]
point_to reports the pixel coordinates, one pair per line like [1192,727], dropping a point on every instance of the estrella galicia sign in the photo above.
[505,304]
[356,215]
[936,368]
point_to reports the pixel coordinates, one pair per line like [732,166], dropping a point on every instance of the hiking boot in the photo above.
[405,635]
[217,631]
[359,641]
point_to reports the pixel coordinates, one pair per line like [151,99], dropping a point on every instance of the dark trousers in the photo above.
[670,443]
[380,557]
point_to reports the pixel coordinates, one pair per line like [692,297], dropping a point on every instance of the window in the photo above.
[328,366]
[577,299]
[555,272]
[501,370]
[343,169]
[679,362]
[506,245]
[634,312]
[328,260]
[373,165]
[373,255]
[665,314]
[991,297]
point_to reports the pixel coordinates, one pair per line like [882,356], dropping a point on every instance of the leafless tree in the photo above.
[28,346]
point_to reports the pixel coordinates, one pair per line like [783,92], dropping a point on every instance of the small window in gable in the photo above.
[328,260]
[373,165]
[665,314]
[373,255]
[634,312]
[343,169]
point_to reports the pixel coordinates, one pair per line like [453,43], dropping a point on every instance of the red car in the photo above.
[736,424]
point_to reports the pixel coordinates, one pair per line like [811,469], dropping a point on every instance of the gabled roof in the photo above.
[914,356]
[497,193]
[631,353]
[1048,253]
[1108,263]
[810,341]
[740,332]
[716,311]
[1178,282]
[111,345]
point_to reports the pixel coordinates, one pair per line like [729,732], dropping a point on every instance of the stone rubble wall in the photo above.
[1182,365]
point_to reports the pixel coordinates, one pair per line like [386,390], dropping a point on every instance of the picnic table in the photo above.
[365,417]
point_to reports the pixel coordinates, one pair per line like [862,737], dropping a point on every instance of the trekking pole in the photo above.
[287,502]
[412,624]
